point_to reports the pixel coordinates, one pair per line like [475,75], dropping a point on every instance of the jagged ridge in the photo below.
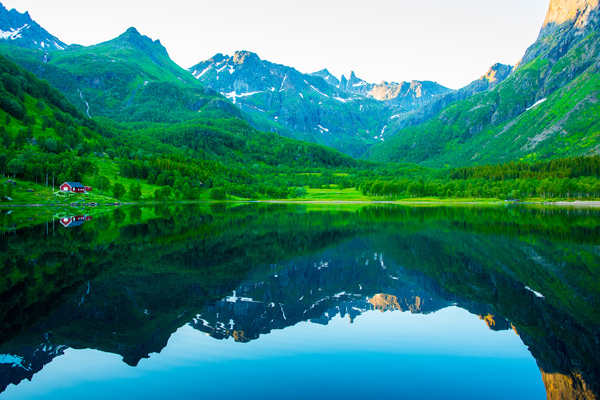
[20,30]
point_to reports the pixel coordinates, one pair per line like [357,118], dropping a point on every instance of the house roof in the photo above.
[73,224]
[75,184]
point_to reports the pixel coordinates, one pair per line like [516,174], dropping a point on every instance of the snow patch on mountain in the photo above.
[537,103]
[233,95]
[13,33]
[195,73]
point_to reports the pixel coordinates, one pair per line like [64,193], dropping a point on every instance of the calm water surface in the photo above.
[281,301]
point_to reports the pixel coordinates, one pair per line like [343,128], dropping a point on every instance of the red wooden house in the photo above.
[74,187]
[72,222]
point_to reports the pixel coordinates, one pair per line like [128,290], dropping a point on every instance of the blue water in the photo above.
[449,354]
[284,302]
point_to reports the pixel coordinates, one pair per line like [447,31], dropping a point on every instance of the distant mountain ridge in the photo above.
[350,115]
[409,95]
[19,29]
[303,106]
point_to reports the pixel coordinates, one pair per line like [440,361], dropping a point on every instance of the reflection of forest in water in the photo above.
[145,272]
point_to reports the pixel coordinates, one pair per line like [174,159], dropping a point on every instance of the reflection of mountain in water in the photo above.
[29,361]
[243,272]
[347,280]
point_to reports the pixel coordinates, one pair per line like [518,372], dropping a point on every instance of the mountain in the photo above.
[495,75]
[42,134]
[302,106]
[350,115]
[328,77]
[130,79]
[20,30]
[407,95]
[548,107]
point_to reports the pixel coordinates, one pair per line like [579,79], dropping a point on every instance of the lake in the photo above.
[286,301]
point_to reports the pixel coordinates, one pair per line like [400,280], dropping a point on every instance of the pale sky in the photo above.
[451,42]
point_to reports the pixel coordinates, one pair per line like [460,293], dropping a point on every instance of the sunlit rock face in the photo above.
[567,387]
[562,11]
[567,23]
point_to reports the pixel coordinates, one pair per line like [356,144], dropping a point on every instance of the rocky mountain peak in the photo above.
[579,12]
[217,58]
[328,76]
[241,57]
[133,38]
[132,31]
[13,18]
[497,73]
[567,23]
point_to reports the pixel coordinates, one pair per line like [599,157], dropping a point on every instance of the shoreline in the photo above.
[576,203]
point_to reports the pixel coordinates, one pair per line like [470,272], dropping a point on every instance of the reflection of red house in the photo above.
[74,187]
[71,222]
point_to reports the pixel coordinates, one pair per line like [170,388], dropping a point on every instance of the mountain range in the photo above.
[545,107]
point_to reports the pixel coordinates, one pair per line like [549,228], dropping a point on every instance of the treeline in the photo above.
[575,177]
[514,189]
[36,167]
[573,167]
[227,156]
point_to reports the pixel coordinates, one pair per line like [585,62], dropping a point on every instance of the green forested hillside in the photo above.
[40,130]
[130,78]
[43,135]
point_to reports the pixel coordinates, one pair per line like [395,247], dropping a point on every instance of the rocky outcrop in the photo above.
[328,77]
[579,14]
[132,39]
